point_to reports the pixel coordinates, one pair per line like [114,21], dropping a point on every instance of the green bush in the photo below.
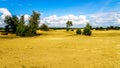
[67,29]
[72,29]
[4,33]
[18,26]
[78,31]
[44,27]
[87,31]
[23,30]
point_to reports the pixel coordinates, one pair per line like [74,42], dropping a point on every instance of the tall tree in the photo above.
[68,24]
[22,20]
[11,22]
[14,25]
[8,21]
[21,28]
[34,22]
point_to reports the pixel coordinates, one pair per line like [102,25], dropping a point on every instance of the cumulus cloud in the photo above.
[98,19]
[105,19]
[4,12]
[60,21]
[26,17]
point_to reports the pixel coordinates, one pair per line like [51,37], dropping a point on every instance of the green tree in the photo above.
[34,22]
[87,30]
[68,24]
[78,31]
[8,21]
[21,28]
[22,20]
[18,25]
[44,27]
[11,22]
[14,24]
[89,26]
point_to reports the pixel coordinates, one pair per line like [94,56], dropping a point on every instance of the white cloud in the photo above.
[26,17]
[105,19]
[4,13]
[60,21]
[98,19]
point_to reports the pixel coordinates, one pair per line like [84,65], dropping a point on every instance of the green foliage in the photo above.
[4,33]
[11,22]
[8,20]
[30,29]
[44,27]
[21,30]
[72,29]
[18,25]
[89,26]
[67,29]
[108,28]
[78,31]
[34,22]
[87,30]
[68,24]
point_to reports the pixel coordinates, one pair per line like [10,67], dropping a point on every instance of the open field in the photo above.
[61,49]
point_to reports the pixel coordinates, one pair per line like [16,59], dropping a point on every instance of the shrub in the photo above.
[72,29]
[44,27]
[67,29]
[21,30]
[4,33]
[78,31]
[87,31]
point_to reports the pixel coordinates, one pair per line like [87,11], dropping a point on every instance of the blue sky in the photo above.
[52,10]
[60,7]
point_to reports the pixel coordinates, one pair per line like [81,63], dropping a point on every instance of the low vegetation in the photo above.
[62,49]
[78,31]
[44,27]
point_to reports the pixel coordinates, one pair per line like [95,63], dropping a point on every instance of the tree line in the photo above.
[86,30]
[107,28]
[18,26]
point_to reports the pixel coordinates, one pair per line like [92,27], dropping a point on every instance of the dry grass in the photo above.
[61,49]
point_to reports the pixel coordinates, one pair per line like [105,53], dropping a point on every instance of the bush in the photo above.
[67,29]
[78,31]
[72,29]
[4,33]
[87,31]
[44,27]
[21,29]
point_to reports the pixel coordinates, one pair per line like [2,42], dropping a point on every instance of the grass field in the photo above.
[61,49]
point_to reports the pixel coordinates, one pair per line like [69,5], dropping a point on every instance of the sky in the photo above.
[55,13]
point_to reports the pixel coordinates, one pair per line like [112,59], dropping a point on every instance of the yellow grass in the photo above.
[61,49]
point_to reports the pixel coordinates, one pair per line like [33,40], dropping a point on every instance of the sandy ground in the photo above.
[61,49]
